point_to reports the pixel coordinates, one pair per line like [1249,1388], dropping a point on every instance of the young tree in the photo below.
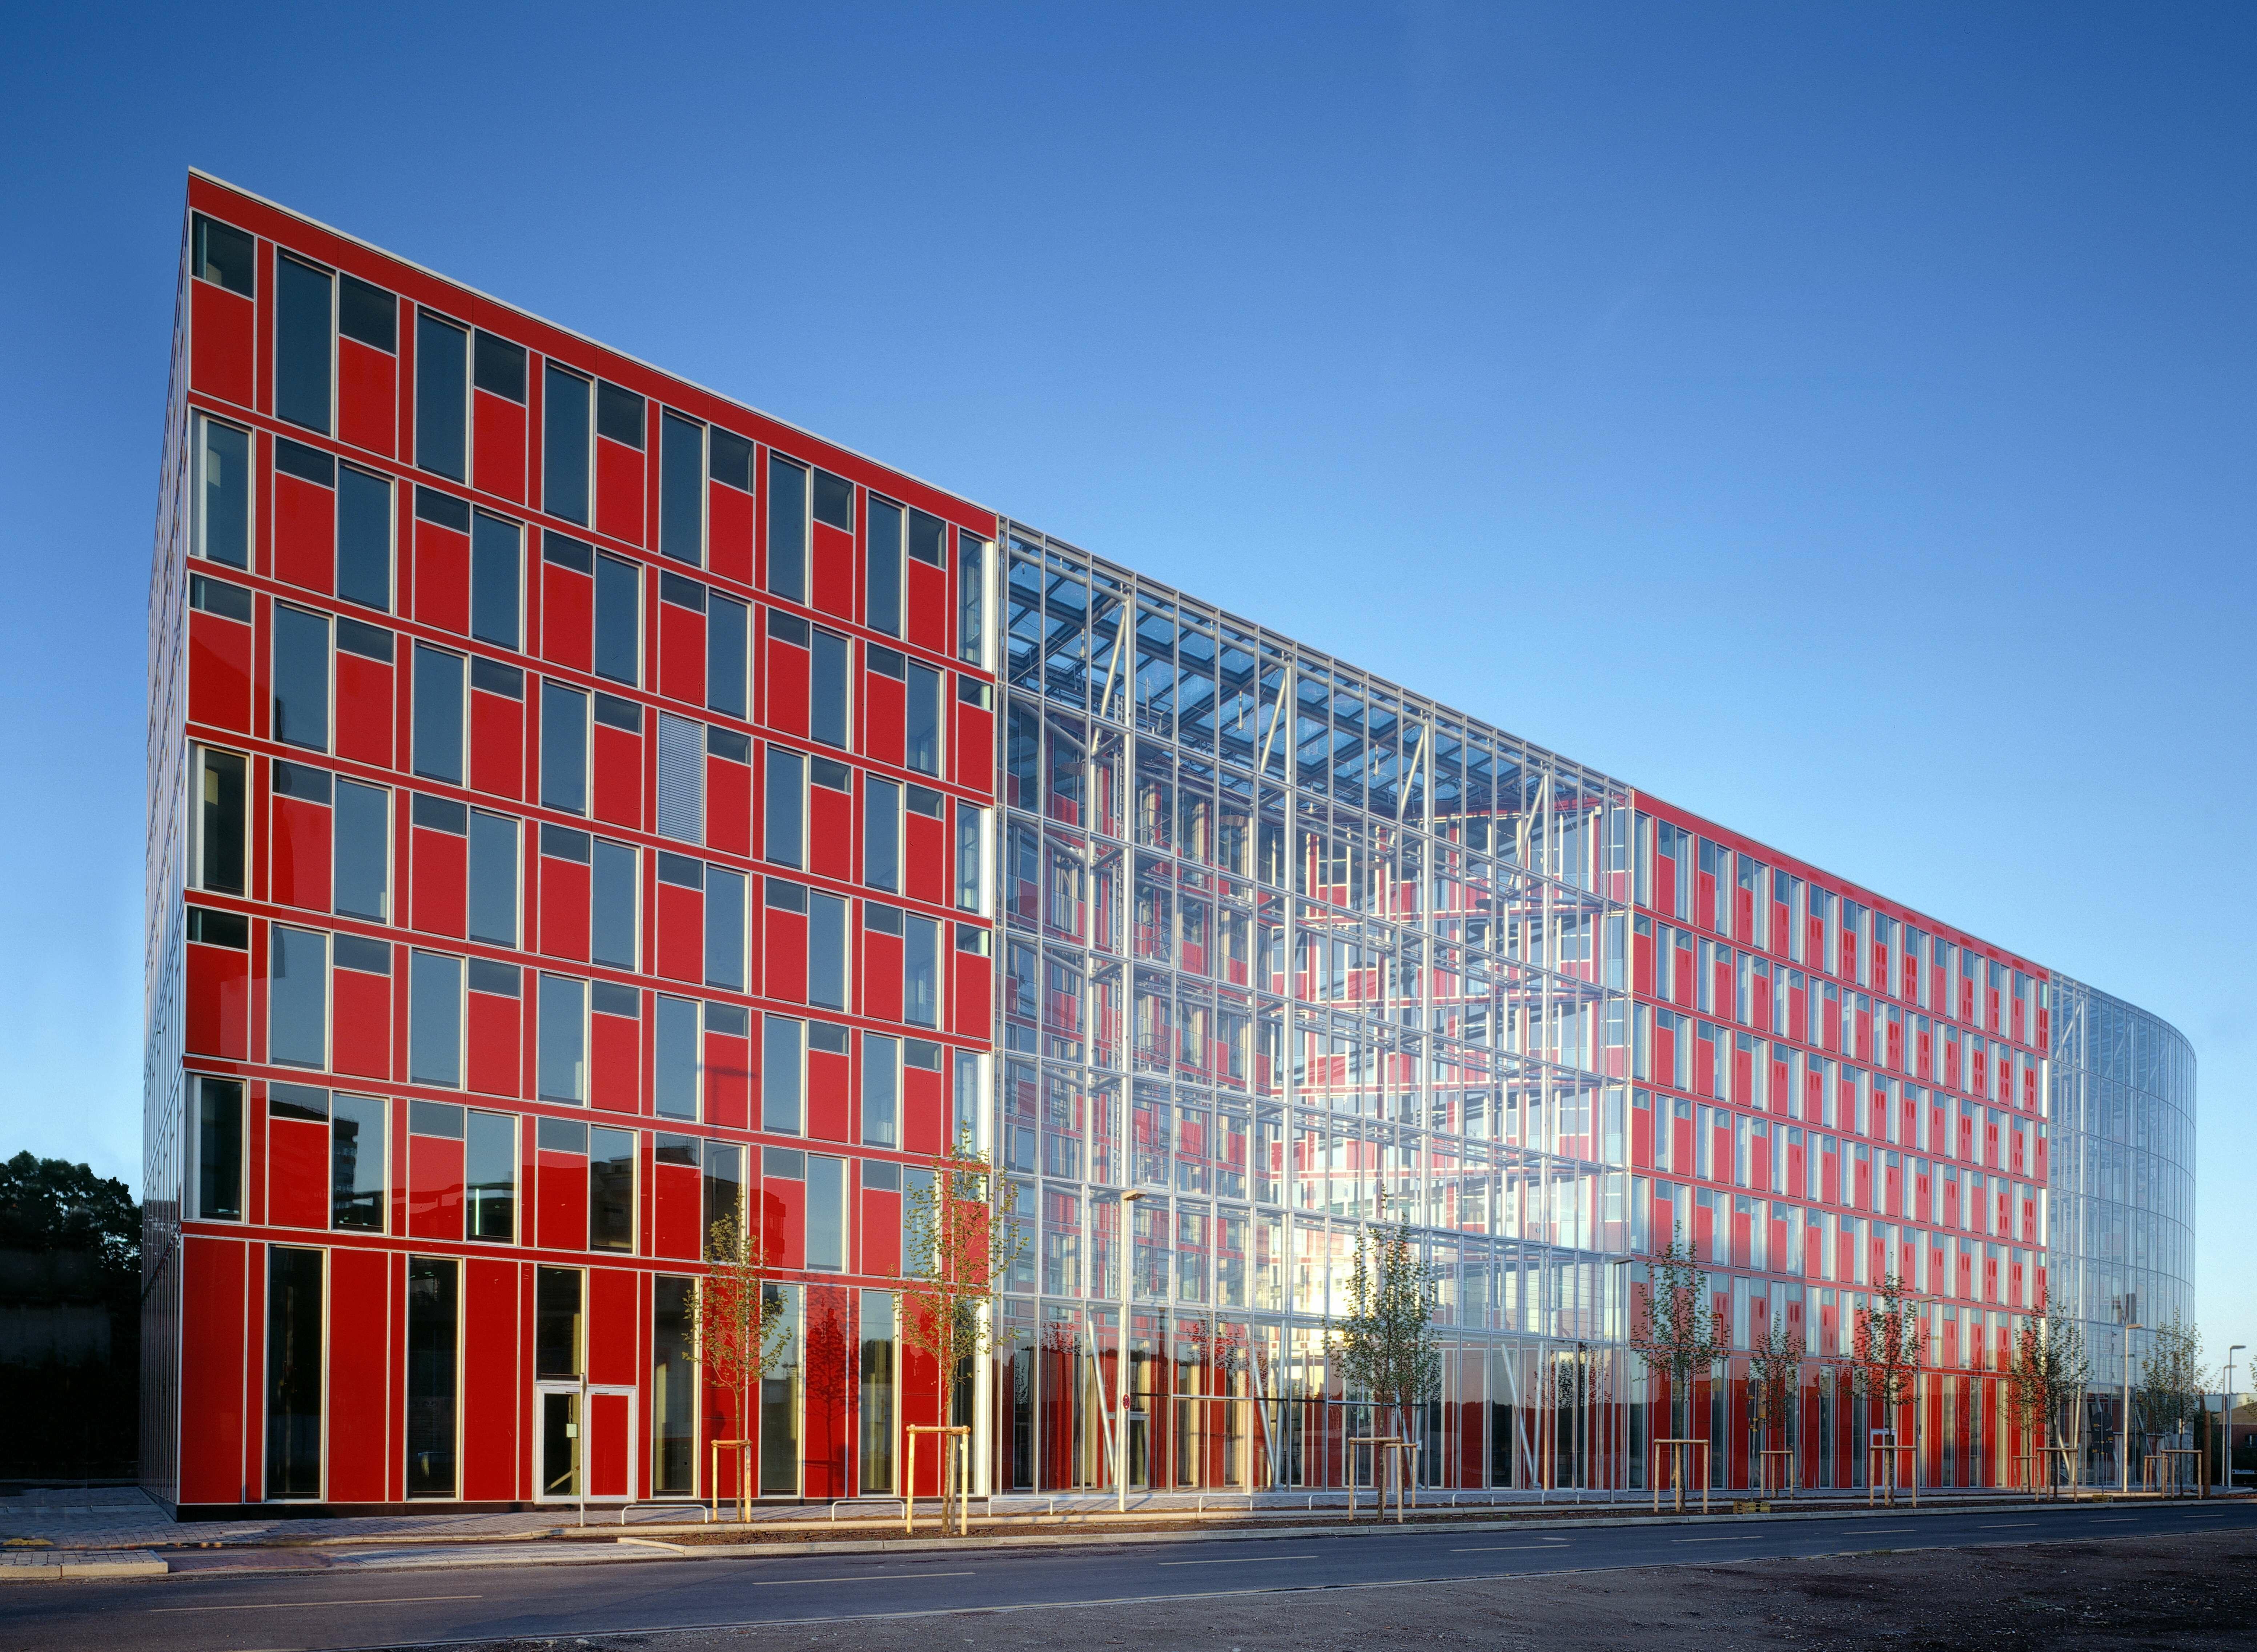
[1774,1379]
[962,1239]
[1885,1356]
[1677,1333]
[741,1329]
[1386,1344]
[2172,1381]
[2046,1375]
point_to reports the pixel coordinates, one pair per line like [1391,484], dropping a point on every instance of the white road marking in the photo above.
[308,1605]
[1550,1544]
[778,1583]
[2005,1525]
[1235,1560]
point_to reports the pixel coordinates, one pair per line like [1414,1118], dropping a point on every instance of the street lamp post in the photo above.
[2124,1425]
[2237,1348]
[1121,1364]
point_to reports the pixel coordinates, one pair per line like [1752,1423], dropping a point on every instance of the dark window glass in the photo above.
[491,676]
[356,1140]
[787,897]
[675,1070]
[921,972]
[618,624]
[225,255]
[294,1373]
[563,748]
[725,1189]
[922,743]
[881,834]
[786,529]
[825,771]
[615,713]
[612,928]
[826,1214]
[727,1020]
[298,1101]
[619,414]
[784,840]
[442,363]
[360,952]
[501,980]
[971,599]
[494,580]
[434,1118]
[609,997]
[435,1020]
[886,662]
[826,952]
[781,1070]
[221,815]
[826,712]
[567,552]
[368,314]
[301,678]
[217,597]
[438,719]
[433,1315]
[307,464]
[681,871]
[444,509]
[928,538]
[301,343]
[493,878]
[727,635]
[219,1150]
[363,538]
[725,928]
[881,920]
[361,877]
[498,366]
[682,593]
[673,1386]
[212,928]
[834,500]
[490,1170]
[682,490]
[881,1094]
[564,444]
[610,1189]
[885,566]
[730,458]
[787,627]
[727,743]
[556,1339]
[440,814]
[226,494]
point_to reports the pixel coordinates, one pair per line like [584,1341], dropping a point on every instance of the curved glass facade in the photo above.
[2121,1106]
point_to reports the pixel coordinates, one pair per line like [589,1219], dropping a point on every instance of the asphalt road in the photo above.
[331,1609]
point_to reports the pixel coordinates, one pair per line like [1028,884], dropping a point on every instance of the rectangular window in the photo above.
[301,678]
[786,529]
[885,566]
[826,1214]
[361,873]
[490,1173]
[920,972]
[877,1396]
[971,563]
[682,490]
[293,1372]
[610,1189]
[564,445]
[828,715]
[680,779]
[725,928]
[725,1189]
[928,539]
[494,580]
[221,833]
[972,858]
[357,1180]
[438,722]
[827,951]
[728,629]
[363,538]
[302,300]
[442,370]
[923,730]
[785,808]
[674,1387]
[677,1058]
[557,1337]
[618,624]
[225,255]
[223,493]
[881,1090]
[881,834]
[563,1075]
[219,1150]
[368,314]
[613,926]
[493,878]
[435,1020]
[433,1314]
[619,415]
[563,748]
[833,501]
[782,1065]
[297,998]
[498,367]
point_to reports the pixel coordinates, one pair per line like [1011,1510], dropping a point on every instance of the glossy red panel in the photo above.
[219,673]
[368,412]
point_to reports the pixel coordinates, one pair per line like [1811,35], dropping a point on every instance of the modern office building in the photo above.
[582,808]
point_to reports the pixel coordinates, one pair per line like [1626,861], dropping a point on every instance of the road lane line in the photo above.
[1235,1560]
[1498,1549]
[778,1583]
[308,1605]
[2005,1525]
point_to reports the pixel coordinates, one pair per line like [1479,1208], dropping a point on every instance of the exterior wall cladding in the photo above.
[581,808]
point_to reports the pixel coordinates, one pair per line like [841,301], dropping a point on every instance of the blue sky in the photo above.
[1835,420]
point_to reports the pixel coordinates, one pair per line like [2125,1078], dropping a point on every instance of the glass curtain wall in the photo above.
[1289,953]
